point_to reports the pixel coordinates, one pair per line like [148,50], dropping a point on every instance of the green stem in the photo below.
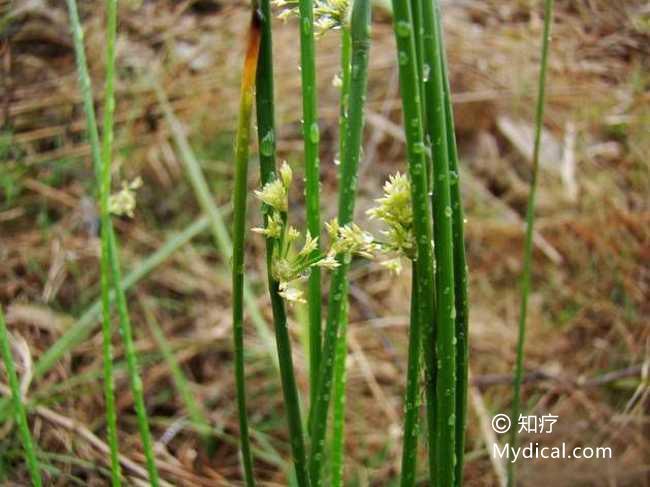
[104,183]
[445,339]
[528,244]
[125,325]
[19,407]
[412,396]
[216,221]
[132,364]
[311,136]
[416,152]
[266,139]
[360,31]
[338,416]
[289,388]
[346,53]
[242,142]
[460,270]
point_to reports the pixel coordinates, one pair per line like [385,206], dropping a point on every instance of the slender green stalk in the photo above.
[360,31]
[289,388]
[416,149]
[242,142]
[311,135]
[445,450]
[528,244]
[460,270]
[346,54]
[266,139]
[19,407]
[338,415]
[217,224]
[125,325]
[130,352]
[104,183]
[412,396]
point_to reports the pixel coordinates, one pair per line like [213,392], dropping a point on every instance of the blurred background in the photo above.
[588,347]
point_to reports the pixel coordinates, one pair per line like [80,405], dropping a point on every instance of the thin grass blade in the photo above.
[242,142]
[19,407]
[528,243]
[104,183]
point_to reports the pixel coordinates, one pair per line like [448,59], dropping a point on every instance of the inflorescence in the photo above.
[290,266]
[328,14]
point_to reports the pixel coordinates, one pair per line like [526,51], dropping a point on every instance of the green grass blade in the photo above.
[412,396]
[311,136]
[460,270]
[528,244]
[242,142]
[445,338]
[130,352]
[338,414]
[360,31]
[104,183]
[19,407]
[125,326]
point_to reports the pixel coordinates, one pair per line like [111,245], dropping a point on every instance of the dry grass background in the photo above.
[588,350]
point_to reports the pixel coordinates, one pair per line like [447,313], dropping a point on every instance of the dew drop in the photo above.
[426,72]
[403,58]
[314,133]
[266,147]
[448,211]
[306,25]
[403,28]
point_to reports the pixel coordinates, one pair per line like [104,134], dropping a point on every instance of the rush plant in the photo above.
[360,47]
[528,242]
[311,136]
[101,156]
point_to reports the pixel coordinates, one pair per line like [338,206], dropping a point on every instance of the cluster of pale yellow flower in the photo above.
[328,15]
[289,266]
